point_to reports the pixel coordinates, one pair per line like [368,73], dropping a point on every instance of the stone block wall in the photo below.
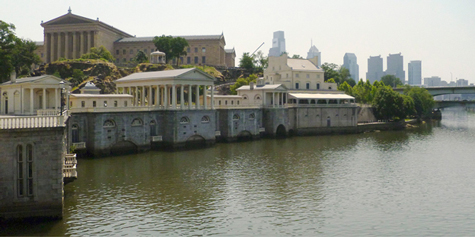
[48,152]
[236,123]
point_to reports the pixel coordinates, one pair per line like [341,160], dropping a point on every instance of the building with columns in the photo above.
[170,90]
[69,36]
[39,95]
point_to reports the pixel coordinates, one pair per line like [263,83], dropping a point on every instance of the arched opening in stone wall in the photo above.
[195,141]
[244,136]
[123,147]
[281,132]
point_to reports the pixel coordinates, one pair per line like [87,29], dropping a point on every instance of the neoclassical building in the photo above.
[69,36]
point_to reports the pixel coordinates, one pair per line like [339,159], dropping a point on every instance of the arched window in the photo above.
[29,169]
[219,102]
[21,171]
[184,120]
[205,119]
[153,128]
[232,102]
[75,133]
[257,97]
[137,122]
[235,117]
[109,124]
[252,116]
[244,97]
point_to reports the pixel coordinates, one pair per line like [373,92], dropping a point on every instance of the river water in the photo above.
[420,181]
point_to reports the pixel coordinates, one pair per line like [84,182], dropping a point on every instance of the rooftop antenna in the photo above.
[257,49]
[69,10]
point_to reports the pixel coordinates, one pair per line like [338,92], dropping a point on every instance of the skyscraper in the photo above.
[349,62]
[414,73]
[396,66]
[278,44]
[432,81]
[375,69]
[312,52]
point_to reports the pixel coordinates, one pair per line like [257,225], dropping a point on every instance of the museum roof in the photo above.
[101,95]
[186,37]
[161,74]
[262,87]
[302,65]
[320,96]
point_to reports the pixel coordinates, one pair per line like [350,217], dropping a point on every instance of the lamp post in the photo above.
[61,86]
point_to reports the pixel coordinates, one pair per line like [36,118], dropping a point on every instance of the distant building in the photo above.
[70,36]
[395,66]
[375,69]
[432,81]
[313,52]
[462,82]
[349,62]
[278,44]
[414,71]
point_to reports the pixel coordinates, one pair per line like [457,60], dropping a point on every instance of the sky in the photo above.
[439,33]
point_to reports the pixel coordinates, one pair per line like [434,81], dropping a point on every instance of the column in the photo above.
[189,96]
[142,97]
[48,47]
[150,102]
[264,99]
[59,46]
[66,45]
[197,97]
[282,98]
[91,39]
[31,101]
[22,98]
[136,96]
[273,99]
[81,44]
[44,99]
[182,97]
[212,97]
[173,97]
[205,98]
[157,95]
[75,45]
[56,98]
[88,41]
[165,97]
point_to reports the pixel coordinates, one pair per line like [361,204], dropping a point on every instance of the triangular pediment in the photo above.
[68,19]
[196,74]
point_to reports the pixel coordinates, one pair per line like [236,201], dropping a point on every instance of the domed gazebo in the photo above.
[157,57]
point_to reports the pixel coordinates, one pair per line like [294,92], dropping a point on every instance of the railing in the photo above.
[69,166]
[47,112]
[17,122]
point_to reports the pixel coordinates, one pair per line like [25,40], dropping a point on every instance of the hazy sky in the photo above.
[440,33]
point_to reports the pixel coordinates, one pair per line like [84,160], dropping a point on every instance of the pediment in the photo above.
[68,19]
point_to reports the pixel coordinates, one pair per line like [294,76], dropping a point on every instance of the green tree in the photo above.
[141,57]
[261,61]
[247,62]
[331,80]
[242,81]
[172,47]
[24,56]
[346,88]
[423,100]
[392,105]
[99,53]
[297,56]
[77,77]
[330,71]
[391,80]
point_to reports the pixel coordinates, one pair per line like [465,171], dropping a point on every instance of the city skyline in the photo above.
[439,33]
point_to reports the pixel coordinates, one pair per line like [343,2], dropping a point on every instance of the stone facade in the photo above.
[69,36]
[31,172]
[235,124]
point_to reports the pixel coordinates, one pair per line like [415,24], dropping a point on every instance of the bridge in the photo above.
[444,90]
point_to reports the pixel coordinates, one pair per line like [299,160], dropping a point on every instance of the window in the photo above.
[153,128]
[203,59]
[75,133]
[296,85]
[252,116]
[308,85]
[318,86]
[196,60]
[109,124]
[184,120]
[205,119]
[137,122]
[287,75]
[42,55]
[181,59]
[145,50]
[196,50]
[329,87]
[21,173]
[25,171]
[318,76]
[115,103]
[131,51]
[235,117]
[94,104]
[138,50]
[117,52]
[105,103]
[83,104]
[257,97]
[296,75]
[188,50]
[124,60]
[124,51]
[308,76]
[188,60]
[203,50]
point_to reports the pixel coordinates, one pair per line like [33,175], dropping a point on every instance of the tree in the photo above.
[261,61]
[99,53]
[77,77]
[297,56]
[423,100]
[331,71]
[247,62]
[241,82]
[346,88]
[141,57]
[392,105]
[331,80]
[391,80]
[24,56]
[172,47]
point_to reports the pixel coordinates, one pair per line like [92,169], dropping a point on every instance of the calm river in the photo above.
[404,183]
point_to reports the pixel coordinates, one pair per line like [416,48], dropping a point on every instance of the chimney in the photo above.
[13,76]
[251,85]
